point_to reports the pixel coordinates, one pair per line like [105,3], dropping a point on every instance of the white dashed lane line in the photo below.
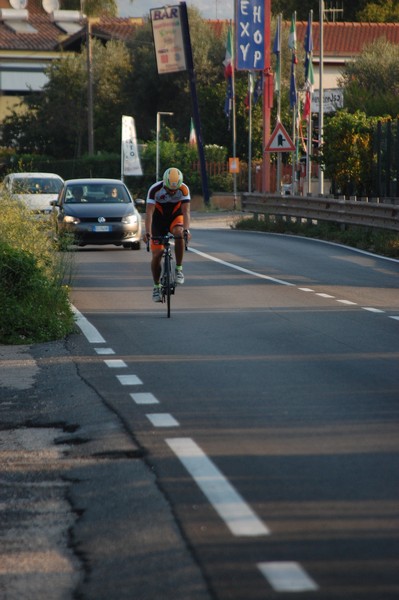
[104,351]
[162,420]
[287,577]
[230,506]
[129,380]
[144,398]
[275,280]
[348,302]
[115,363]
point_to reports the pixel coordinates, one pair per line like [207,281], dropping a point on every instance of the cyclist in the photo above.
[168,210]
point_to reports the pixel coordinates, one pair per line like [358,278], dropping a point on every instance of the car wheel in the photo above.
[136,246]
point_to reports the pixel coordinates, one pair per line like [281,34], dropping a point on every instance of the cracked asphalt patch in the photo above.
[81,515]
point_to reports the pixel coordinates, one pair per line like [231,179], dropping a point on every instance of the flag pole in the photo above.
[293,92]
[321,93]
[233,61]
[250,96]
[267,99]
[309,115]
[278,90]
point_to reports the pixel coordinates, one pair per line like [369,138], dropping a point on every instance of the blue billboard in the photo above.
[250,35]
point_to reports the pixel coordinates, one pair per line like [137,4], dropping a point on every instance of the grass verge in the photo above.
[34,278]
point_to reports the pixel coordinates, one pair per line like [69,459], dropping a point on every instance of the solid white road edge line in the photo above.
[89,331]
[233,510]
[237,268]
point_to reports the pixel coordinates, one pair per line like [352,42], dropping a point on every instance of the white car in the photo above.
[35,190]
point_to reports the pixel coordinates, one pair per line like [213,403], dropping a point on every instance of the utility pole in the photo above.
[90,126]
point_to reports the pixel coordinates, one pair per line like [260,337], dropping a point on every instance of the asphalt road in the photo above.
[266,407]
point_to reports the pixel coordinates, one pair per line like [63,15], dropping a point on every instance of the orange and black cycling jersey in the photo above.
[165,201]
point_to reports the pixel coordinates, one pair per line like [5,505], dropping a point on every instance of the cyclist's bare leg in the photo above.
[179,244]
[156,265]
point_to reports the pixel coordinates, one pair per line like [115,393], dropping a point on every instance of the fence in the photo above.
[376,213]
[215,169]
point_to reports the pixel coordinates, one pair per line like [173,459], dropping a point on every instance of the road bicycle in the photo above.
[167,279]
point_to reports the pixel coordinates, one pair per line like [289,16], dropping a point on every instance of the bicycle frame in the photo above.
[167,279]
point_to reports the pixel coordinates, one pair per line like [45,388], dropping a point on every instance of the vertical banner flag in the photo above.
[193,136]
[228,73]
[309,75]
[250,42]
[168,39]
[294,61]
[130,156]
[277,52]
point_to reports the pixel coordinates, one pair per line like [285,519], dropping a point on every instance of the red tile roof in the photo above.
[49,36]
[340,39]
[347,39]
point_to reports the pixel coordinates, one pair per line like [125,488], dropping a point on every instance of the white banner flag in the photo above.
[130,155]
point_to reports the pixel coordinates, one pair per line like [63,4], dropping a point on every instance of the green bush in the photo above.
[34,296]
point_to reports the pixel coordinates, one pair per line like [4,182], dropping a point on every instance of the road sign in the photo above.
[280,141]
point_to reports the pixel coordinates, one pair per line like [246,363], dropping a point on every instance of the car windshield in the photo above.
[36,185]
[96,193]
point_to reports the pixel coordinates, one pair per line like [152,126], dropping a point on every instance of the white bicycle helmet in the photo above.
[172,178]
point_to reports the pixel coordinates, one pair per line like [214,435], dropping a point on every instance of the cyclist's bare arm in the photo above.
[148,221]
[186,218]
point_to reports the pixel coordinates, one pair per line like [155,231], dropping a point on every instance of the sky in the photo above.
[209,9]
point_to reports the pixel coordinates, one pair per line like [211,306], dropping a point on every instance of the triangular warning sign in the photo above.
[280,141]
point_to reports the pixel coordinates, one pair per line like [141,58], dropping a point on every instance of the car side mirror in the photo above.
[140,204]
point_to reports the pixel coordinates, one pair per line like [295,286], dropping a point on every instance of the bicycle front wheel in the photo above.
[168,282]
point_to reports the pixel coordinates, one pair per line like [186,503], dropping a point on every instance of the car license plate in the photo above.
[100,228]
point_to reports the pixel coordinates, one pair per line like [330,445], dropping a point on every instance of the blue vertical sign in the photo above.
[250,35]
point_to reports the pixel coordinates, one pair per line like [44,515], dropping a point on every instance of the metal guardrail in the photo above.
[380,213]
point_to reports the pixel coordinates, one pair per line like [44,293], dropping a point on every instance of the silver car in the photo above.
[98,211]
[35,190]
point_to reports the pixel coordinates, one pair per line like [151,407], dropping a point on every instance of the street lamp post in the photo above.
[157,144]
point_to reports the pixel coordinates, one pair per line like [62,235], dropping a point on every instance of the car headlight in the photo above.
[69,219]
[129,219]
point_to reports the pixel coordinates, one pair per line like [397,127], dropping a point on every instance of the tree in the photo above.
[371,82]
[347,152]
[356,10]
[384,11]
[92,8]
[54,122]
[151,92]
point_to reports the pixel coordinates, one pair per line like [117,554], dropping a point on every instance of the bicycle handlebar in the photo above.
[165,239]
